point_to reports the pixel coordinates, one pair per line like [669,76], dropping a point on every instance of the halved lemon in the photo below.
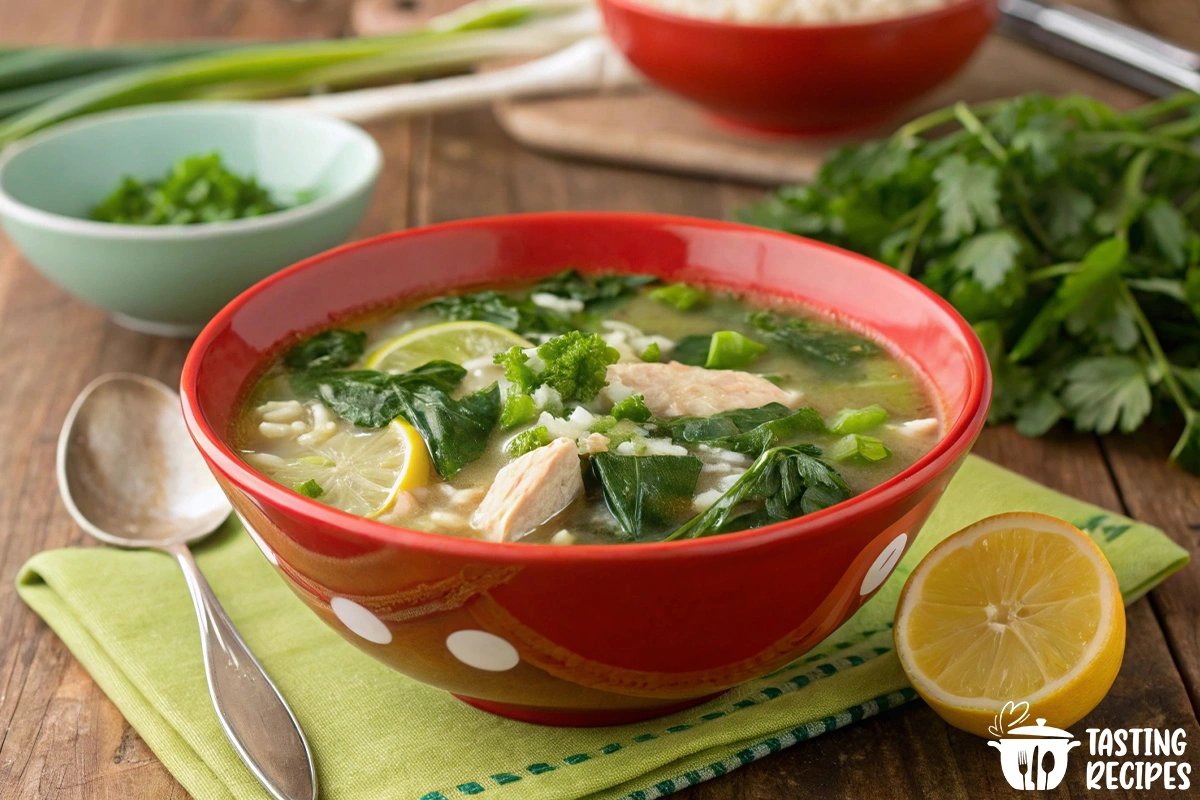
[458,342]
[360,472]
[1017,607]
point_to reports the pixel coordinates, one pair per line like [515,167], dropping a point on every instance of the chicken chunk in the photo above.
[677,390]
[529,491]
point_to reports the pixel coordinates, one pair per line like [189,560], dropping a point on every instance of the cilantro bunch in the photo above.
[1068,234]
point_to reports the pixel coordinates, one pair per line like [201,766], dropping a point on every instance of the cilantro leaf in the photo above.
[1068,210]
[198,189]
[1107,391]
[783,483]
[968,196]
[1168,229]
[989,257]
[1039,415]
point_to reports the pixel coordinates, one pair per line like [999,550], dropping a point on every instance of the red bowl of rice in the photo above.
[799,79]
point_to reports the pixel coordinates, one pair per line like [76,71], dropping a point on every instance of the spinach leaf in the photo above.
[692,350]
[782,483]
[819,342]
[590,289]
[722,424]
[646,493]
[327,350]
[522,316]
[746,430]
[455,431]
[680,296]
[769,434]
[368,398]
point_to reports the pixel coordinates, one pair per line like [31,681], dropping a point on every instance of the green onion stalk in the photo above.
[40,87]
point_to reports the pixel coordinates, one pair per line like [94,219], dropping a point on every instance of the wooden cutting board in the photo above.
[653,129]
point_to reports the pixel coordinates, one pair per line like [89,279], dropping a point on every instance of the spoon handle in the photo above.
[253,714]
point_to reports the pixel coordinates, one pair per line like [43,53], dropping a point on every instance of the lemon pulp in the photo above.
[1018,607]
[359,472]
[458,342]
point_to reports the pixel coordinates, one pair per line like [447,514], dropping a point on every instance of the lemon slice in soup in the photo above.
[357,471]
[458,342]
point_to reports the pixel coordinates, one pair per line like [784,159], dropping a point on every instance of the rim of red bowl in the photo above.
[948,449]
[873,25]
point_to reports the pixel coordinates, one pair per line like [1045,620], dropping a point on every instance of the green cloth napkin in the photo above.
[377,735]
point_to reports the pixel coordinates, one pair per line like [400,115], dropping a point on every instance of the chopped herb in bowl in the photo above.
[198,189]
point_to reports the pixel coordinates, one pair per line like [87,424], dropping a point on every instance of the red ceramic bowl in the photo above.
[799,79]
[585,634]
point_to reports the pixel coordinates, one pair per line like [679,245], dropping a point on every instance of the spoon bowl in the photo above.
[126,478]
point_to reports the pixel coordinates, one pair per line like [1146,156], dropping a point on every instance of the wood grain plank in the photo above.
[60,737]
[1169,498]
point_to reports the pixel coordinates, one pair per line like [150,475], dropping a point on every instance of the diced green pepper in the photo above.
[731,350]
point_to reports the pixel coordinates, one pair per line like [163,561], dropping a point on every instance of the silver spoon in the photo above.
[130,475]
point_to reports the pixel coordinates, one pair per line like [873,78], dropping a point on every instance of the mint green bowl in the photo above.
[170,280]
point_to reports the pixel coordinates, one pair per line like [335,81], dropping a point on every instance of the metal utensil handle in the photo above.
[253,714]
[1111,48]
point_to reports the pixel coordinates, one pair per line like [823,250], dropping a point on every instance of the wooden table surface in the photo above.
[61,738]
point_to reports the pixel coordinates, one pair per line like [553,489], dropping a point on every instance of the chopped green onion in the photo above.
[310,488]
[858,420]
[652,352]
[867,448]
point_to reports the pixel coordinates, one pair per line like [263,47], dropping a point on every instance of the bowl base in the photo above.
[172,330]
[581,717]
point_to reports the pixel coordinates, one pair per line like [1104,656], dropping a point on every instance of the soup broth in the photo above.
[586,410]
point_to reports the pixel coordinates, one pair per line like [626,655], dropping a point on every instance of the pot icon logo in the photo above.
[1032,756]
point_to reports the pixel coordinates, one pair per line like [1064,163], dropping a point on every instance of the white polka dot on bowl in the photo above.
[360,621]
[884,564]
[482,650]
